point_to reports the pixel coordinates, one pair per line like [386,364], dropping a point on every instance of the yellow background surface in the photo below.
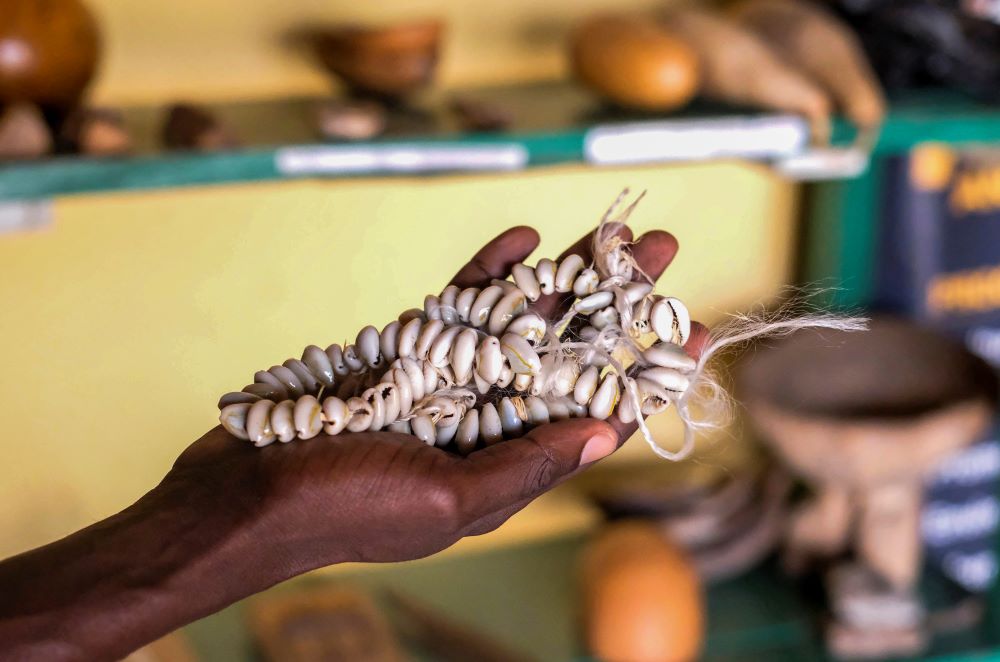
[124,321]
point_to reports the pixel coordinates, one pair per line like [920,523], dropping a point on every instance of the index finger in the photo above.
[495,259]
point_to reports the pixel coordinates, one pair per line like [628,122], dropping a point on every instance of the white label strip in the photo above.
[25,215]
[343,160]
[690,140]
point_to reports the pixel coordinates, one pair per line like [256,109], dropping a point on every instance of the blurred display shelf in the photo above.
[551,123]
[526,596]
[843,216]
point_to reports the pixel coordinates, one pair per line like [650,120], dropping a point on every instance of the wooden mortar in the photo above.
[864,418]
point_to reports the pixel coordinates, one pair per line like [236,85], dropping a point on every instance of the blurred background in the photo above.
[191,188]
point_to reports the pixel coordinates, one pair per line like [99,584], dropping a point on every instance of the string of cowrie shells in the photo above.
[475,366]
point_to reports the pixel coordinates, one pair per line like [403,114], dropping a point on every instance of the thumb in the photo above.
[524,468]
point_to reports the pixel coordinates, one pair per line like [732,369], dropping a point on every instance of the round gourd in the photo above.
[48,51]
[642,597]
[634,63]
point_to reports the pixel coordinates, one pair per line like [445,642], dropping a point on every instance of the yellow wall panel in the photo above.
[124,321]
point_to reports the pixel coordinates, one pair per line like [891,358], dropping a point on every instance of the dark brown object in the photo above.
[345,120]
[473,115]
[633,62]
[327,624]
[446,639]
[813,40]
[23,132]
[193,127]
[96,132]
[391,62]
[48,51]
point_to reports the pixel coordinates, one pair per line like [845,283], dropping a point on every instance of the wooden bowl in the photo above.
[390,62]
[865,407]
[48,51]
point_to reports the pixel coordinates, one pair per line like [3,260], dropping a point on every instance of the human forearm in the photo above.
[163,562]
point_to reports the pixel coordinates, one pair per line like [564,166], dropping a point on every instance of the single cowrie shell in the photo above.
[564,380]
[411,314]
[319,364]
[335,414]
[448,297]
[289,380]
[400,427]
[301,371]
[430,378]
[482,386]
[654,399]
[586,283]
[586,385]
[604,317]
[463,304]
[415,373]
[576,410]
[594,302]
[670,320]
[606,398]
[388,340]
[468,432]
[267,391]
[529,326]
[264,377]
[354,362]
[483,305]
[567,272]
[522,382]
[234,419]
[361,415]
[558,410]
[626,413]
[521,355]
[445,433]
[377,404]
[506,375]
[634,292]
[408,335]
[432,307]
[668,378]
[423,429]
[538,413]
[545,273]
[510,421]
[259,423]
[489,360]
[390,400]
[524,277]
[336,356]
[441,347]
[428,334]
[506,286]
[281,421]
[447,411]
[404,390]
[308,417]
[640,317]
[367,344]
[463,354]
[490,427]
[236,398]
[504,311]
[669,355]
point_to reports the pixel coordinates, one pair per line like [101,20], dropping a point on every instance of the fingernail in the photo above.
[597,447]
